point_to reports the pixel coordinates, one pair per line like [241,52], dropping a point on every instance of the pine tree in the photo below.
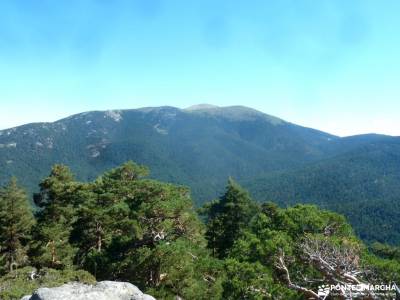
[16,220]
[94,227]
[59,193]
[227,217]
[104,202]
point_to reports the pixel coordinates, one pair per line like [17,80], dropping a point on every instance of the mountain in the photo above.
[200,146]
[203,145]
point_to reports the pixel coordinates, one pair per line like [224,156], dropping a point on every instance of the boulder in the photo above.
[104,290]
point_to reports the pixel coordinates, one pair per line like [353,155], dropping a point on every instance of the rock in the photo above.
[104,290]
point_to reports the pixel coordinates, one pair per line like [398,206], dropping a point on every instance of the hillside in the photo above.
[202,146]
[199,147]
[362,184]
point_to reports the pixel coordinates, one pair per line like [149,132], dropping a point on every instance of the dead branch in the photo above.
[281,265]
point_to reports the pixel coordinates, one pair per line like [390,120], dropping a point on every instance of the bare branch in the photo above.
[281,265]
[336,263]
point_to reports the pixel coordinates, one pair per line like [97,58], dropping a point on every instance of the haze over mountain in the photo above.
[203,145]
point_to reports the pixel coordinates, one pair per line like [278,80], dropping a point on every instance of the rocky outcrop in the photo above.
[104,290]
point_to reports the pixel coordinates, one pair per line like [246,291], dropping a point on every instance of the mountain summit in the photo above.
[202,106]
[233,112]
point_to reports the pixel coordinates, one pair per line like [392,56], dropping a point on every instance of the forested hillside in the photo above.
[200,147]
[362,184]
[124,226]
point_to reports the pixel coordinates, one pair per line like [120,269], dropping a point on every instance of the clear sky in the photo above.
[332,65]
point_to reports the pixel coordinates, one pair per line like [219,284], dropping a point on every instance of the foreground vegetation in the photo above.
[125,227]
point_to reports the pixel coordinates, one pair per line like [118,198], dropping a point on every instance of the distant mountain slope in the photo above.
[363,184]
[202,146]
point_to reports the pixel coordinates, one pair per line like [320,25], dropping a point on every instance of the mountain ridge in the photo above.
[204,107]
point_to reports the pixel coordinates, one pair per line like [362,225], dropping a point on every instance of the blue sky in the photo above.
[331,65]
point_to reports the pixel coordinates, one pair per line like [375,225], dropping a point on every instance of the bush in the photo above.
[19,283]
